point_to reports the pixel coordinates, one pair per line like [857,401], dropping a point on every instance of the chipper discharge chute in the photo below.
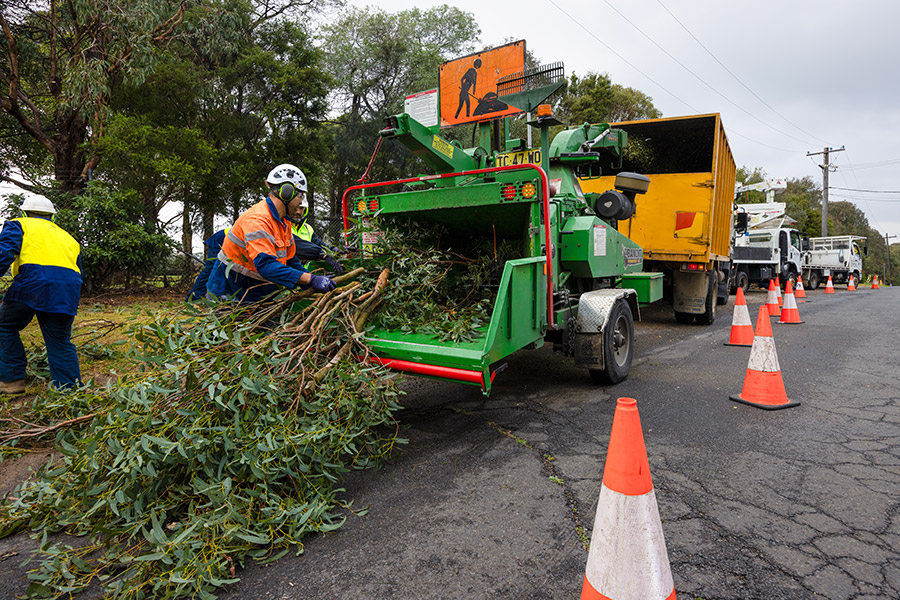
[565,283]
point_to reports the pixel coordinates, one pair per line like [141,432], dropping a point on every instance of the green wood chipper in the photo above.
[577,282]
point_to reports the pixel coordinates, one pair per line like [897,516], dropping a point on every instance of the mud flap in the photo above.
[594,309]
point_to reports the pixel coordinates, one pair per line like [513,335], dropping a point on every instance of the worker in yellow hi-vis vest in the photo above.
[309,246]
[46,268]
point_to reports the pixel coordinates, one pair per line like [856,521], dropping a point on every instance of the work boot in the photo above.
[12,387]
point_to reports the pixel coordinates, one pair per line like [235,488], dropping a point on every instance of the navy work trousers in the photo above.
[57,331]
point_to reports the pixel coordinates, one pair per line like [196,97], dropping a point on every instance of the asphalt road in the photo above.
[495,498]
[789,504]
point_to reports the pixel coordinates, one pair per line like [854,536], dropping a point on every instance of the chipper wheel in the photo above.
[618,345]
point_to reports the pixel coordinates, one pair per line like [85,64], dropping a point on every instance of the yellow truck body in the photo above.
[684,222]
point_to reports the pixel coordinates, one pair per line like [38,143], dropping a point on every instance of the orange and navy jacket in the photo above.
[257,256]
[46,265]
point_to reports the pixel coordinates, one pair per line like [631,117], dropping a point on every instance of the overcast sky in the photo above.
[789,78]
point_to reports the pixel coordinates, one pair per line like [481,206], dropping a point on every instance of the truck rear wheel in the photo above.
[709,314]
[722,289]
[618,346]
[743,281]
[813,280]
[684,318]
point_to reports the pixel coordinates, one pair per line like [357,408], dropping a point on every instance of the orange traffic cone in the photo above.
[829,287]
[778,294]
[789,312]
[627,558]
[874,282]
[763,385]
[772,300]
[741,327]
[851,285]
[800,293]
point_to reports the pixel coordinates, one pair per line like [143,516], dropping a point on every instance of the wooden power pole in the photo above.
[825,169]
[887,242]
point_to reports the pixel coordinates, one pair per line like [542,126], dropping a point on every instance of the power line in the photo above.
[700,79]
[736,78]
[862,166]
[868,191]
[749,139]
[865,200]
[622,58]
[649,78]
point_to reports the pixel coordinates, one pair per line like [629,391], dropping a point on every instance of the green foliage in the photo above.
[150,157]
[893,271]
[747,176]
[64,60]
[596,99]
[106,222]
[218,453]
[376,58]
[257,107]
[845,218]
[440,285]
[803,198]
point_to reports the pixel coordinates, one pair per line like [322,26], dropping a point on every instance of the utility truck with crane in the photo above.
[684,222]
[577,281]
[765,246]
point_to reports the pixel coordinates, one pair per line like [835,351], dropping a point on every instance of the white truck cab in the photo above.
[767,248]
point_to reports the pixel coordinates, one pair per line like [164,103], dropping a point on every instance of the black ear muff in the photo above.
[286,192]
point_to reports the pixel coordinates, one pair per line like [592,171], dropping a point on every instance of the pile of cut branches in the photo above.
[227,446]
[440,285]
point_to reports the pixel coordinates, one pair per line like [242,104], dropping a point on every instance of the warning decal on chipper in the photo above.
[442,146]
[599,240]
[632,256]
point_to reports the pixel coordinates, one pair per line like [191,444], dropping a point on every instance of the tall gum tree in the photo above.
[58,62]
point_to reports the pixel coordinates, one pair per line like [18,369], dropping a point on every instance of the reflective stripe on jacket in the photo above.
[254,233]
[257,256]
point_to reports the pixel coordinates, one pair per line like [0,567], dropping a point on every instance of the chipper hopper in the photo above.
[576,283]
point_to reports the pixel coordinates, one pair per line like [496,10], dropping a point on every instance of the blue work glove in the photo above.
[335,266]
[321,283]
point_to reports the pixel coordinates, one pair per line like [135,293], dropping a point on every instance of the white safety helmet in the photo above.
[38,204]
[287,181]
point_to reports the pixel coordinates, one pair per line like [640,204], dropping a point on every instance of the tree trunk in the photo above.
[68,154]
[208,227]
[187,244]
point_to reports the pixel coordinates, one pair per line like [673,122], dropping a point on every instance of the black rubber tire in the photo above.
[709,313]
[684,318]
[742,280]
[813,280]
[793,279]
[722,290]
[618,346]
